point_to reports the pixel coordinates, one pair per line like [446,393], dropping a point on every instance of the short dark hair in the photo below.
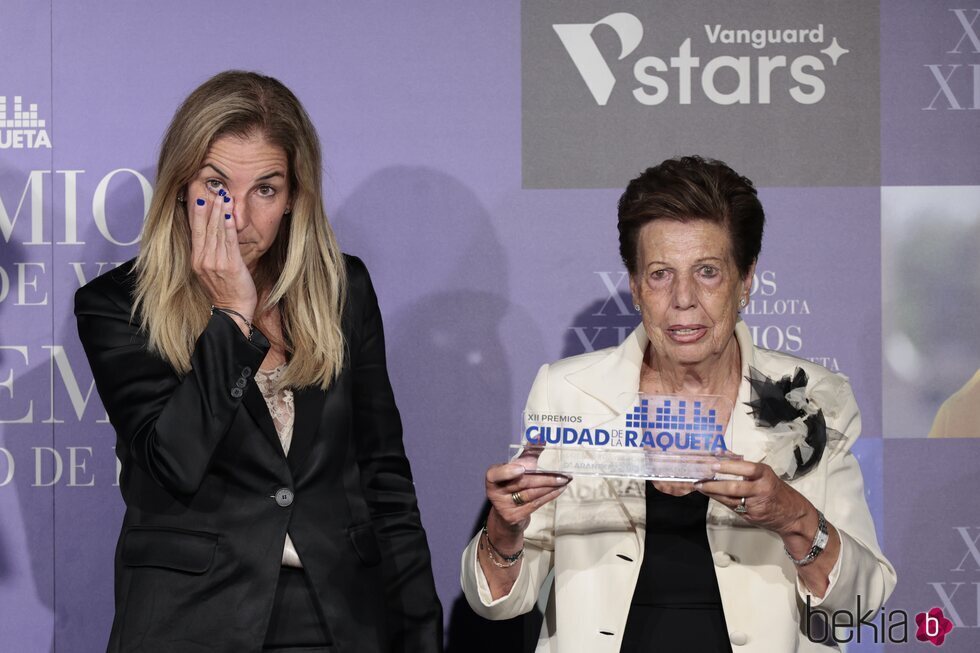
[693,188]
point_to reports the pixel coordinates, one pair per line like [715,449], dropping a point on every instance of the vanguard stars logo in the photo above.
[684,72]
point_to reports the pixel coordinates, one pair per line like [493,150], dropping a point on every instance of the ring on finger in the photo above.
[740,508]
[518,498]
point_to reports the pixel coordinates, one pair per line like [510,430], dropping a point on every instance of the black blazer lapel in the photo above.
[309,409]
[255,404]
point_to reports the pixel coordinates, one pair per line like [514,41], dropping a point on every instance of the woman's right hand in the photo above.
[514,494]
[216,258]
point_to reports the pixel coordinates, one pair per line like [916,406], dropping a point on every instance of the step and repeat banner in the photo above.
[474,154]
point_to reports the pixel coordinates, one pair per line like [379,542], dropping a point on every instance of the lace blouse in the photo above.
[283,413]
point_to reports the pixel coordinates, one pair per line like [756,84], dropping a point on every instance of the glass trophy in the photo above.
[660,437]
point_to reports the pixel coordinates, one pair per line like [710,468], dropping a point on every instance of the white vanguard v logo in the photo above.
[22,129]
[659,77]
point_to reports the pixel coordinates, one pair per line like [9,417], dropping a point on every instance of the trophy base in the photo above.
[618,462]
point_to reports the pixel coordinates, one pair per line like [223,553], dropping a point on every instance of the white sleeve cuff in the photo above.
[483,587]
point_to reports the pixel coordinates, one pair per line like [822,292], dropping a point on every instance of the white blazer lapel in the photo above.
[747,439]
[614,381]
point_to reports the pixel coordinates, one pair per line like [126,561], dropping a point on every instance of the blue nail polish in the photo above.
[227,216]
[222,192]
[227,199]
[200,202]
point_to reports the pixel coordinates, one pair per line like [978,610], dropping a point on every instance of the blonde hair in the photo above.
[303,271]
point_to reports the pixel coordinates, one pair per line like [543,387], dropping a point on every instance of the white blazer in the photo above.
[592,536]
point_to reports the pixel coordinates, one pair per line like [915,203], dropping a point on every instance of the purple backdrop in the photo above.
[419,107]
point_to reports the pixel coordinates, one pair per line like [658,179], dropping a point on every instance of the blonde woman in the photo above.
[241,359]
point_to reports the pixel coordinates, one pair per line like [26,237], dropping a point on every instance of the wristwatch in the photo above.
[819,543]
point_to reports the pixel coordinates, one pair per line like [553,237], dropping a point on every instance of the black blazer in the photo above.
[209,494]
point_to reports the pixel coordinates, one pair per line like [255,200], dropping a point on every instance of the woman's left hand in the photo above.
[769,502]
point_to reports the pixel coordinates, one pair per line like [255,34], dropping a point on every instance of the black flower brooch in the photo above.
[798,428]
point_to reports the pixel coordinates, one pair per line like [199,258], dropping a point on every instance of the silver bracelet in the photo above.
[819,543]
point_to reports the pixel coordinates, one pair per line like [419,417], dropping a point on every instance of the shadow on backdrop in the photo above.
[85,521]
[28,390]
[10,254]
[442,281]
[601,324]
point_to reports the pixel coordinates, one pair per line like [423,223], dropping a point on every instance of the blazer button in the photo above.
[722,559]
[284,497]
[738,638]
[246,372]
[241,383]
[236,392]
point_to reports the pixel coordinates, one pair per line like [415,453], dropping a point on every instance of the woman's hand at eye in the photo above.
[216,258]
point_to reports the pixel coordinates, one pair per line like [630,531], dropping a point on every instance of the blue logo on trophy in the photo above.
[666,437]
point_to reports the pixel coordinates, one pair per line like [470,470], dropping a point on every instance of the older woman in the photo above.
[269,503]
[670,566]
